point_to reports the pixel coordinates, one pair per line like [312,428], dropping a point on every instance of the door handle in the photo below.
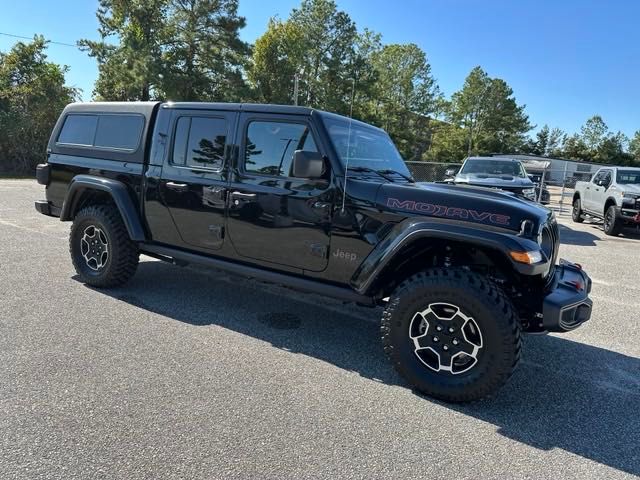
[179,187]
[243,195]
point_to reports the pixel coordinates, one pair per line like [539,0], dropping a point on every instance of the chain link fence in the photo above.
[554,186]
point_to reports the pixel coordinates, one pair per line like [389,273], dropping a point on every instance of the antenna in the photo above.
[346,163]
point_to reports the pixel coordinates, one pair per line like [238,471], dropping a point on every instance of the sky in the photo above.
[566,60]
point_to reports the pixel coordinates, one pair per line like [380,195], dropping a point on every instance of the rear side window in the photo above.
[110,131]
[200,142]
[79,130]
[119,131]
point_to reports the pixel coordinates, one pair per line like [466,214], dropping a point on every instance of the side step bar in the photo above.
[182,258]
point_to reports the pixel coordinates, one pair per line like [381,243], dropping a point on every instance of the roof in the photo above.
[499,159]
[147,107]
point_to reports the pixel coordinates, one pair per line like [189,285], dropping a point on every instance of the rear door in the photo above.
[274,217]
[194,178]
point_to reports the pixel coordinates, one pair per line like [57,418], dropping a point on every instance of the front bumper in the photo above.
[46,208]
[629,214]
[567,304]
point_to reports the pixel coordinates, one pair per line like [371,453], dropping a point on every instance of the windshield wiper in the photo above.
[388,171]
[383,173]
[371,170]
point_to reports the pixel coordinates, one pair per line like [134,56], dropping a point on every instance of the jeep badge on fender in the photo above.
[460,271]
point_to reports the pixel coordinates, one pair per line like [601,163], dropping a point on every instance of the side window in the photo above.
[606,179]
[78,130]
[598,176]
[119,131]
[270,146]
[200,142]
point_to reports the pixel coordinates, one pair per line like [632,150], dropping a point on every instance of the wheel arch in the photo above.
[610,202]
[86,189]
[407,251]
[576,196]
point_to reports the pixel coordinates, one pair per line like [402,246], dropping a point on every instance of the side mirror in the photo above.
[307,164]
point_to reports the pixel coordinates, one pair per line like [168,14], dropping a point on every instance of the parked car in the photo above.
[496,172]
[613,194]
[321,203]
[543,197]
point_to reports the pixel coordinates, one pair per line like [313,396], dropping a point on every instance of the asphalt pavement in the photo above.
[188,373]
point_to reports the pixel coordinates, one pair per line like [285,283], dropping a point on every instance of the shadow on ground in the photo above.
[570,236]
[565,394]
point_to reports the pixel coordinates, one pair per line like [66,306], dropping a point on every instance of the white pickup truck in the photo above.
[612,194]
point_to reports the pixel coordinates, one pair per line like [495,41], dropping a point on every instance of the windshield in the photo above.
[628,177]
[493,167]
[364,146]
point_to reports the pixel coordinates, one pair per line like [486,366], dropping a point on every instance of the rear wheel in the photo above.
[101,250]
[612,224]
[576,213]
[452,334]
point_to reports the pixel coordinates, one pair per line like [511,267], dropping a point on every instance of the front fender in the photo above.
[117,190]
[413,229]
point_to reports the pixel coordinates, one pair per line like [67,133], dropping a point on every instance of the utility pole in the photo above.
[296,78]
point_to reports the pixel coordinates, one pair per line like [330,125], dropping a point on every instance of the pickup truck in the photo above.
[507,174]
[320,203]
[612,194]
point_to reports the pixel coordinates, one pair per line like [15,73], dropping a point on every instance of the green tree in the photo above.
[131,68]
[32,95]
[405,97]
[488,113]
[548,142]
[634,146]
[202,54]
[594,132]
[277,59]
[319,43]
[168,49]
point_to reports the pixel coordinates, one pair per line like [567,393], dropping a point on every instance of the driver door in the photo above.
[273,217]
[599,192]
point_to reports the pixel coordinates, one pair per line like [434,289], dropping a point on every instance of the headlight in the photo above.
[629,198]
[529,193]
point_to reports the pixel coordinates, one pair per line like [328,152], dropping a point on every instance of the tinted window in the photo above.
[78,130]
[493,167]
[598,176]
[628,176]
[270,146]
[119,131]
[200,142]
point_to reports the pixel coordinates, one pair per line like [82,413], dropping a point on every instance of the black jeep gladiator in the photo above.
[320,203]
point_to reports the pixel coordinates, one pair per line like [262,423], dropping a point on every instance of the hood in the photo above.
[630,188]
[461,203]
[489,180]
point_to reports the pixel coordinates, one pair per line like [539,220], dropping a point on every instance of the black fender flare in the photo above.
[118,192]
[411,230]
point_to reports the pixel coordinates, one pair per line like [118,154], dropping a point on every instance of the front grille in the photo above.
[550,244]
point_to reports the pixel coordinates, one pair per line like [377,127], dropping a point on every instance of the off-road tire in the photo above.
[475,296]
[123,255]
[576,212]
[612,224]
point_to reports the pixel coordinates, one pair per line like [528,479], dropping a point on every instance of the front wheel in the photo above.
[612,225]
[452,334]
[101,250]
[576,213]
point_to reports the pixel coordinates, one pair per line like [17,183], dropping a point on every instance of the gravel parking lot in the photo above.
[188,373]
